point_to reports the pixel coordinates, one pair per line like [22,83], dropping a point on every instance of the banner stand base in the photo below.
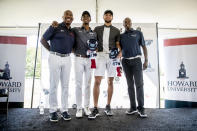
[12,104]
[180,104]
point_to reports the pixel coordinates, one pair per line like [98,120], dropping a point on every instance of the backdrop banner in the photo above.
[12,66]
[180,69]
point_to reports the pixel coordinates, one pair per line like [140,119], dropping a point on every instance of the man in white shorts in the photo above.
[108,38]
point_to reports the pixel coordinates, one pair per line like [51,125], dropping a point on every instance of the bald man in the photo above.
[131,41]
[61,44]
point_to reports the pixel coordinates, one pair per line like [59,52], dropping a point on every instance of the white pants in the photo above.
[82,68]
[59,68]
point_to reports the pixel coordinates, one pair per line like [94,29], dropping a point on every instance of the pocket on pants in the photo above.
[138,63]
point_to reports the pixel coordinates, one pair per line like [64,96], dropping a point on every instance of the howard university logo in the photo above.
[5,73]
[182,72]
[5,78]
[183,84]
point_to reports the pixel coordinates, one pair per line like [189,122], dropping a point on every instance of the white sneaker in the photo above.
[87,111]
[79,113]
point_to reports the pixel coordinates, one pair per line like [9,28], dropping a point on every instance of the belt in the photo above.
[59,54]
[83,56]
[130,58]
[102,52]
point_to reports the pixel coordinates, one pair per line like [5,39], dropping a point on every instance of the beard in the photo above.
[86,23]
[68,24]
[109,21]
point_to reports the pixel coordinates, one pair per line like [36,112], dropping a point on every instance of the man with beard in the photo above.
[108,38]
[61,44]
[130,42]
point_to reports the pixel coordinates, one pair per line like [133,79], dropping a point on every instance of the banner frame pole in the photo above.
[96,11]
[32,96]
[158,64]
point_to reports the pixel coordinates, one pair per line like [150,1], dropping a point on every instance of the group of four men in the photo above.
[64,40]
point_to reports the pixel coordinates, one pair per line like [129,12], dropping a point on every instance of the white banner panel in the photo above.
[120,96]
[180,69]
[12,66]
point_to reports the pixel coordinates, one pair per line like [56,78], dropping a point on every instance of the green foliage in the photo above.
[30,61]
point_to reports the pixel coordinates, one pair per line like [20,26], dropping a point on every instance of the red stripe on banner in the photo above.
[180,41]
[13,40]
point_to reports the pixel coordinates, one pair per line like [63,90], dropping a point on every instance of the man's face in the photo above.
[86,19]
[127,23]
[108,18]
[68,17]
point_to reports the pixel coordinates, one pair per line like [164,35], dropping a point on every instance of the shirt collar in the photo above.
[107,26]
[64,25]
[83,28]
[130,30]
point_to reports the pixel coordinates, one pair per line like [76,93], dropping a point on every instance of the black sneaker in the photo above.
[142,113]
[131,112]
[54,117]
[66,116]
[94,114]
[108,111]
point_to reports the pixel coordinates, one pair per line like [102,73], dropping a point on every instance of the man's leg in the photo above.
[111,73]
[87,80]
[96,90]
[110,89]
[54,80]
[79,69]
[65,77]
[54,71]
[138,76]
[98,73]
[127,67]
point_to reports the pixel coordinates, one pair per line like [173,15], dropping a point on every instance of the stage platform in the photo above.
[176,119]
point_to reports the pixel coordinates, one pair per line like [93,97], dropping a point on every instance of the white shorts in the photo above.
[103,63]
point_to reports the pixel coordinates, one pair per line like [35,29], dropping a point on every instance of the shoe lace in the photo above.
[54,114]
[108,108]
[94,111]
[142,111]
[87,108]
[65,113]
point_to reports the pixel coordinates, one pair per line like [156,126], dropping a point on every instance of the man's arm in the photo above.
[119,49]
[75,41]
[145,51]
[118,44]
[96,37]
[45,43]
[145,57]
[46,37]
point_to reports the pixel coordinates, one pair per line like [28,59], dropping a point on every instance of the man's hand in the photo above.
[54,24]
[145,65]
